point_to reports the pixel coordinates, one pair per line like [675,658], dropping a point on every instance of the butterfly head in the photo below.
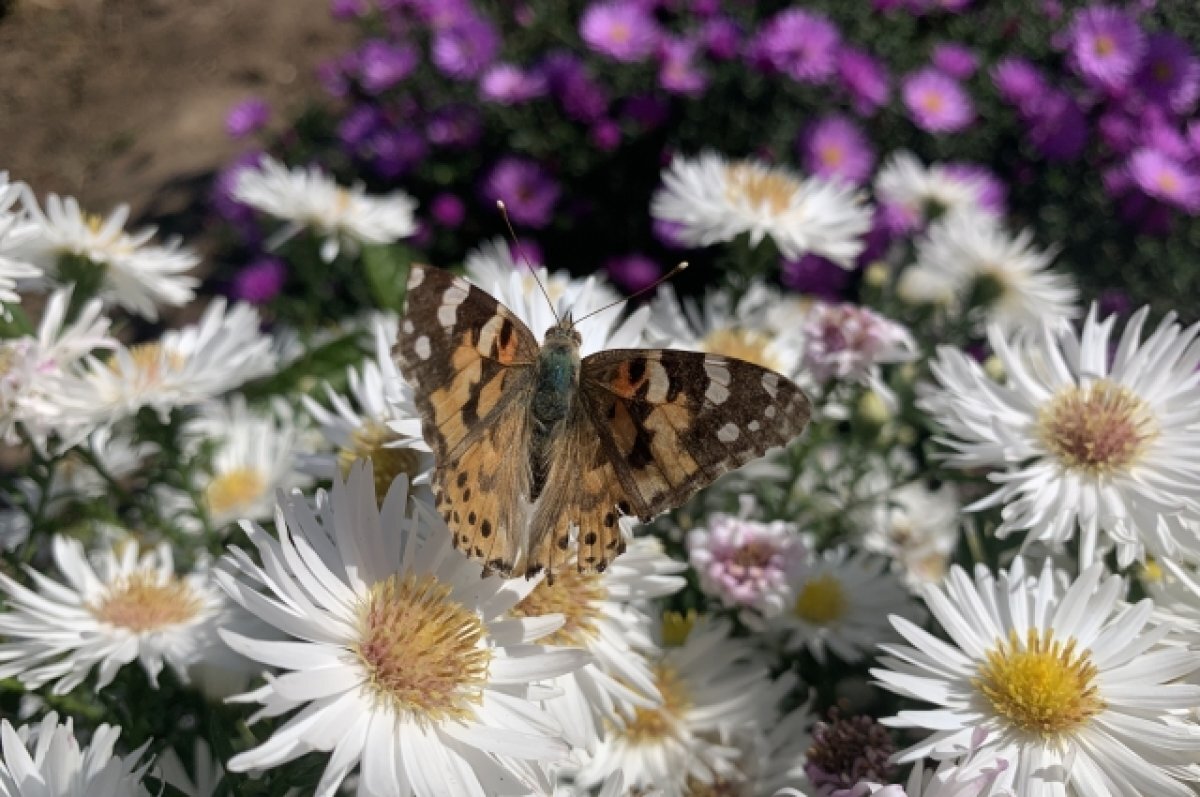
[563,333]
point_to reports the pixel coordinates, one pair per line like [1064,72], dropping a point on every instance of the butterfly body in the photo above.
[540,452]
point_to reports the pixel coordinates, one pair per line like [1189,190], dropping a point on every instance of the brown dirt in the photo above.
[125,100]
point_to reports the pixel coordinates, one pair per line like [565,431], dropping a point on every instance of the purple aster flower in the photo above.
[722,38]
[955,60]
[382,65]
[1165,179]
[348,9]
[394,152]
[240,216]
[605,135]
[1193,137]
[744,563]
[247,117]
[525,188]
[1057,127]
[454,127]
[669,233]
[1114,301]
[800,44]
[1147,215]
[845,341]
[633,272]
[847,750]
[813,275]
[508,84]
[677,71]
[992,193]
[1019,82]
[1170,73]
[1118,130]
[1159,132]
[358,125]
[582,98]
[465,48]
[937,103]
[447,210]
[648,111]
[836,147]
[624,31]
[864,78]
[1105,46]
[260,281]
[334,75]
[706,8]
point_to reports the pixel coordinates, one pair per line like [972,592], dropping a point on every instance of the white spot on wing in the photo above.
[769,411]
[451,299]
[718,380]
[659,382]
[421,347]
[408,327]
[770,383]
[753,426]
[728,433]
[415,278]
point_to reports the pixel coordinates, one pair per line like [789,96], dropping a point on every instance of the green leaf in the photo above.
[386,270]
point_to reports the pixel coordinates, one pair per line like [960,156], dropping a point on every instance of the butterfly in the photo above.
[539,453]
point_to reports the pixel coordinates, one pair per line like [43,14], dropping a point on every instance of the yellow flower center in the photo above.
[8,359]
[744,344]
[1105,45]
[832,155]
[932,102]
[620,33]
[234,490]
[370,441]
[1041,686]
[1152,572]
[421,649]
[574,595]
[143,602]
[654,724]
[1099,429]
[149,364]
[769,190]
[1168,182]
[821,601]
[677,627]
[719,786]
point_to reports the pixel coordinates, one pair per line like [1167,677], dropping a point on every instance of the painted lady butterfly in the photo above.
[536,449]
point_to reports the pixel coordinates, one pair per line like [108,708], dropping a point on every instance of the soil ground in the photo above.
[125,100]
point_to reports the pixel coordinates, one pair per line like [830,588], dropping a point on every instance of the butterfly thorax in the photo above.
[555,382]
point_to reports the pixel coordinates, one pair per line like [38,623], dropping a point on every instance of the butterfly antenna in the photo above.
[521,253]
[648,288]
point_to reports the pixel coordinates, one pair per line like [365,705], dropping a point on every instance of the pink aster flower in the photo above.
[800,44]
[622,30]
[260,281]
[508,84]
[864,78]
[1165,179]
[745,563]
[247,117]
[936,102]
[528,192]
[955,60]
[465,48]
[678,72]
[1019,82]
[1105,46]
[835,147]
[848,342]
[633,272]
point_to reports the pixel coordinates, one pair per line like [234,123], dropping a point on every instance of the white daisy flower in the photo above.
[1086,439]
[771,752]
[253,456]
[344,217]
[969,259]
[973,775]
[838,603]
[401,660]
[123,608]
[377,421]
[184,367]
[15,229]
[30,367]
[1175,589]
[711,685]
[916,527]
[70,245]
[848,342]
[1072,686]
[604,615]
[46,761]
[714,200]
[922,193]
[492,268]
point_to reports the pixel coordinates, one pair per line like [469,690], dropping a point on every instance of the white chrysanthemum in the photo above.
[711,686]
[967,259]
[67,244]
[714,200]
[30,367]
[924,192]
[377,421]
[772,753]
[492,268]
[46,761]
[1074,687]
[605,616]
[184,367]
[1087,439]
[253,454]
[15,230]
[838,603]
[124,608]
[917,528]
[205,770]
[976,774]
[344,217]
[401,661]
[1175,589]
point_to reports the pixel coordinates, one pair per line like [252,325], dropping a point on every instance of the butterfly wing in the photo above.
[470,362]
[653,427]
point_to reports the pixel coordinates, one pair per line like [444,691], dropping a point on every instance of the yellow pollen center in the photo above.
[8,359]
[832,154]
[1152,572]
[574,595]
[148,364]
[759,187]
[677,626]
[1105,45]
[421,649]
[1041,686]
[620,33]
[654,724]
[744,344]
[821,601]
[1099,429]
[234,490]
[370,441]
[1168,182]
[932,102]
[143,602]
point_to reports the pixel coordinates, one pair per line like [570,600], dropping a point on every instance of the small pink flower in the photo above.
[845,341]
[937,102]
[745,563]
